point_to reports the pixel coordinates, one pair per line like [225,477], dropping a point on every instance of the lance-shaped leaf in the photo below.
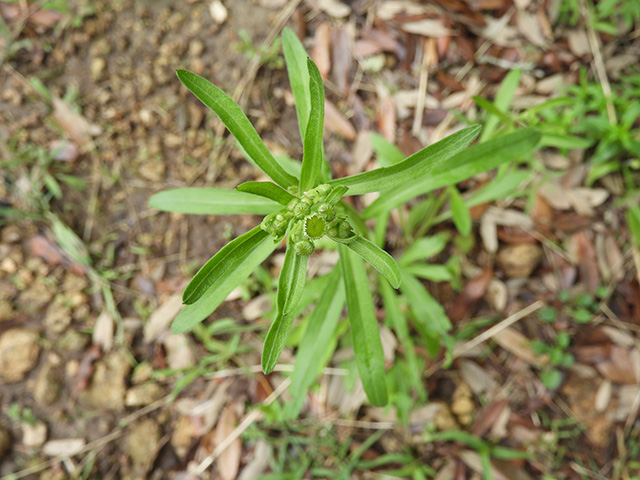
[466,164]
[233,266]
[427,311]
[317,337]
[267,190]
[222,264]
[295,57]
[238,124]
[417,167]
[211,201]
[312,157]
[378,258]
[364,327]
[290,288]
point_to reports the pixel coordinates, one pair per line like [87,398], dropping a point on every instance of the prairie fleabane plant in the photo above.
[308,206]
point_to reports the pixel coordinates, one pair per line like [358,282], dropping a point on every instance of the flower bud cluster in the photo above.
[309,217]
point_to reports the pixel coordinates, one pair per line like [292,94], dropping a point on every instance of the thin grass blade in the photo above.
[212,201]
[378,258]
[267,190]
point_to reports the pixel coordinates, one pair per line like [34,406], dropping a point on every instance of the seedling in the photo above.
[304,204]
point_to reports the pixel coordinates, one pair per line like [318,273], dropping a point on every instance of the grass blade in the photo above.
[267,190]
[414,168]
[428,312]
[364,327]
[466,164]
[211,201]
[501,104]
[258,245]
[312,157]
[321,327]
[222,264]
[295,56]
[238,124]
[290,288]
[378,258]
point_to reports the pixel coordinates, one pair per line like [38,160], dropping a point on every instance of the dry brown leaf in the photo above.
[500,32]
[473,461]
[603,396]
[161,318]
[65,151]
[530,28]
[584,253]
[341,57]
[377,41]
[228,462]
[516,343]
[361,153]
[337,123]
[427,27]
[334,8]
[464,303]
[387,119]
[179,351]
[619,367]
[258,461]
[321,51]
[478,379]
[390,8]
[74,124]
[519,261]
[578,43]
[487,417]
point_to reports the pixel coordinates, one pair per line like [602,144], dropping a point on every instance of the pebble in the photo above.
[6,310]
[519,261]
[49,383]
[34,435]
[142,441]
[19,350]
[143,395]
[98,65]
[107,388]
[58,316]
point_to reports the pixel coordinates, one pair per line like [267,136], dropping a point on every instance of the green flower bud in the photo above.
[315,226]
[304,247]
[302,209]
[324,189]
[345,230]
[294,190]
[292,204]
[327,211]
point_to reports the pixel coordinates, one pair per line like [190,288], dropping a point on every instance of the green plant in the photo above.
[306,206]
[551,375]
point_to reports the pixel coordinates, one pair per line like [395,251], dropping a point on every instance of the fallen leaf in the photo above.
[160,320]
[487,417]
[386,114]
[180,354]
[85,370]
[74,124]
[516,343]
[65,151]
[619,367]
[337,123]
[578,43]
[334,8]
[229,460]
[321,51]
[464,303]
[584,254]
[427,27]
[341,58]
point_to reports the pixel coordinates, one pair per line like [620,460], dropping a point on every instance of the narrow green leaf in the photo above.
[336,195]
[267,190]
[476,159]
[211,201]
[364,327]
[460,212]
[398,322]
[378,258]
[435,273]
[238,124]
[424,248]
[560,140]
[501,103]
[312,157]
[295,57]
[222,264]
[321,327]
[633,223]
[492,109]
[427,311]
[415,168]
[388,153]
[232,270]
[290,288]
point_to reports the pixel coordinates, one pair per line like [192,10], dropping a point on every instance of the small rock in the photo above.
[73,342]
[35,298]
[519,261]
[11,234]
[107,389]
[152,170]
[58,316]
[48,384]
[142,442]
[5,442]
[196,47]
[34,435]
[65,446]
[218,12]
[19,351]
[6,310]
[143,395]
[142,373]
[97,68]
